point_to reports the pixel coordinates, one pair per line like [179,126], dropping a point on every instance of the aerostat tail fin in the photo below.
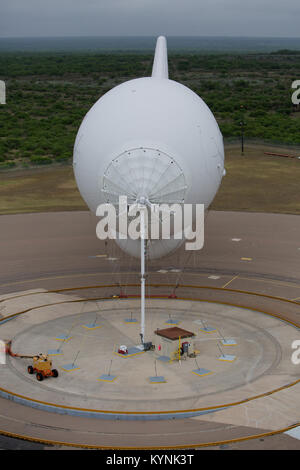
[160,64]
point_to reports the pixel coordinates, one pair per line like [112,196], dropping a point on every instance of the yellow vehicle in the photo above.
[42,366]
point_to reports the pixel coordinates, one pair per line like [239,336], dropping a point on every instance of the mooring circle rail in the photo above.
[176,446]
[143,414]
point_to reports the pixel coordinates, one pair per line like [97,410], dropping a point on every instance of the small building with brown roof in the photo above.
[167,340]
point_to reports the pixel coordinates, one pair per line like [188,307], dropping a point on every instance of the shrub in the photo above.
[38,160]
[8,164]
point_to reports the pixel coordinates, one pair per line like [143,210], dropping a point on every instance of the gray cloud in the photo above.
[149,17]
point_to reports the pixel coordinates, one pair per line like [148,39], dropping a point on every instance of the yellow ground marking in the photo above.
[91,327]
[157,383]
[163,285]
[226,360]
[258,279]
[70,370]
[65,340]
[207,332]
[174,446]
[258,294]
[213,407]
[202,375]
[105,380]
[271,281]
[229,282]
[246,259]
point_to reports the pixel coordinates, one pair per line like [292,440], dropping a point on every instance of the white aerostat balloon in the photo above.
[149,138]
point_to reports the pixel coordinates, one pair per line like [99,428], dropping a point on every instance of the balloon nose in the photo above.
[142,200]
[144,175]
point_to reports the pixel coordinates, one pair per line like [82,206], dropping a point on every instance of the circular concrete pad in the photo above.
[262,361]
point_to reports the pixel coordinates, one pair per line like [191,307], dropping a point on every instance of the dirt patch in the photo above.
[260,183]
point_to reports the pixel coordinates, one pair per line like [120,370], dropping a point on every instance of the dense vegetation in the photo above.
[48,95]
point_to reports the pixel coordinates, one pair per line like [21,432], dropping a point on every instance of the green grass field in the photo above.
[255,182]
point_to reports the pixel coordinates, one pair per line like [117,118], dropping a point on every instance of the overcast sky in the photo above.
[280,18]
